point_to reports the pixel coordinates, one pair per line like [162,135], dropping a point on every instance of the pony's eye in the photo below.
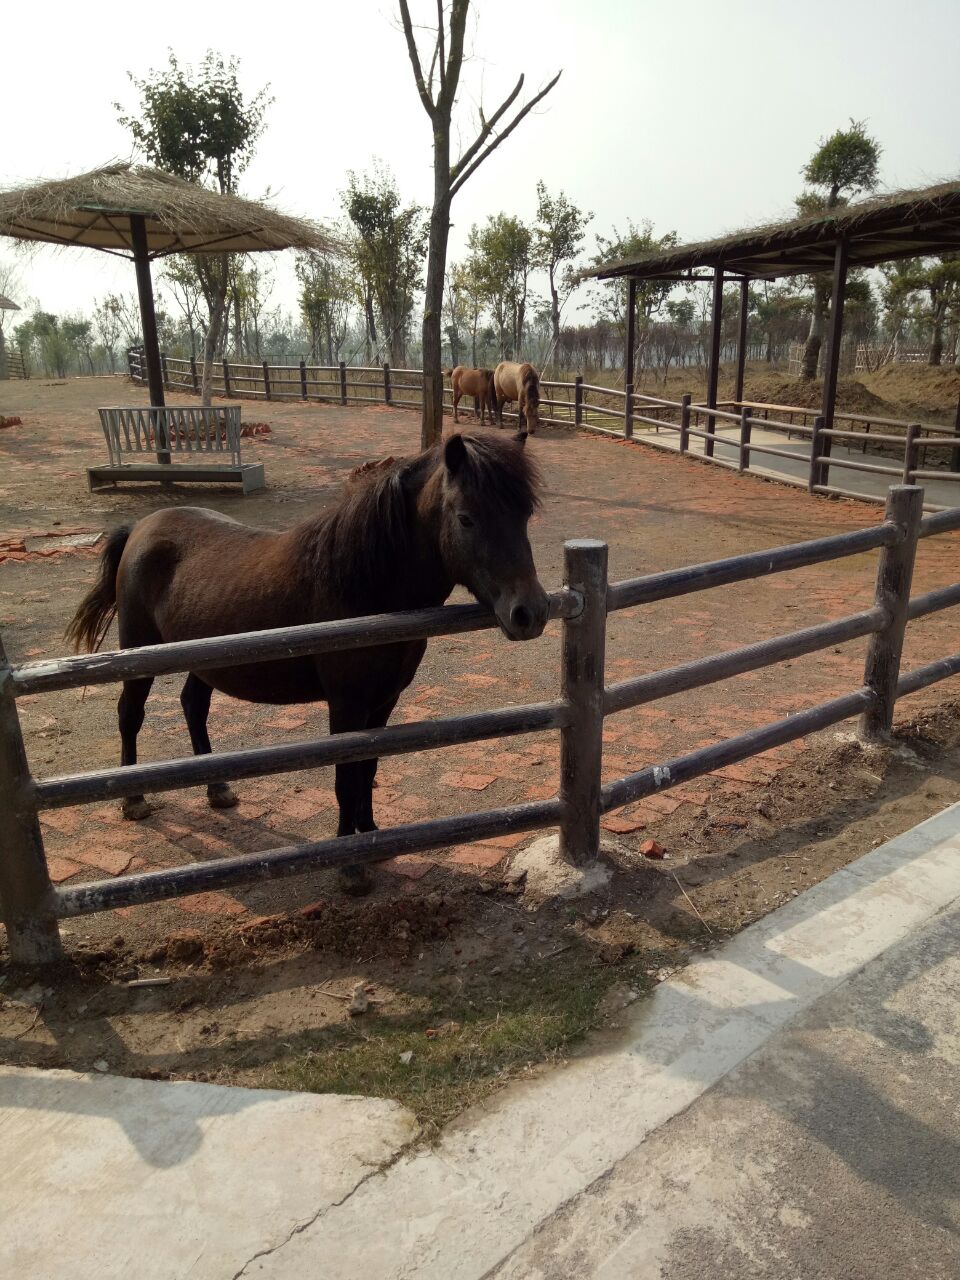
[465,521]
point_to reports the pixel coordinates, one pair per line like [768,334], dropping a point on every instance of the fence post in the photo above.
[910,452]
[266,381]
[685,421]
[164,375]
[816,441]
[194,378]
[26,894]
[628,412]
[745,430]
[343,382]
[226,378]
[894,575]
[386,383]
[303,379]
[578,401]
[582,664]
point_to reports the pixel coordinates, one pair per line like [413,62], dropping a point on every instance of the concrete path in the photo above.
[785,1107]
[940,492]
[104,1178]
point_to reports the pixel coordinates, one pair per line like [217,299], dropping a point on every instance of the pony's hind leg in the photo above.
[195,700]
[130,716]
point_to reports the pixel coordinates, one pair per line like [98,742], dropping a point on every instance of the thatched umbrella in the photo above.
[142,213]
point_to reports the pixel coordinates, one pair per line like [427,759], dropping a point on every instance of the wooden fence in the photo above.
[32,906]
[912,449]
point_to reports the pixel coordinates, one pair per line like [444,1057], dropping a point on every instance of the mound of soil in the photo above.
[919,387]
[775,388]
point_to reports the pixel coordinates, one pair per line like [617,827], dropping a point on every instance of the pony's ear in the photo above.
[454,454]
[521,438]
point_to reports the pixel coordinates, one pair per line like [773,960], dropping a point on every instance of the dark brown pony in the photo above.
[520,382]
[402,535]
[477,383]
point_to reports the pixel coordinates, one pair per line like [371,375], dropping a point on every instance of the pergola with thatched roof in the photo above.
[142,213]
[902,225]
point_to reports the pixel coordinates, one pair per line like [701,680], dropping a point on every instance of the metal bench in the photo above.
[189,444]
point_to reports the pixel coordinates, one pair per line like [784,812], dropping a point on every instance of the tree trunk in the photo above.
[936,346]
[431,426]
[217,305]
[554,311]
[371,325]
[811,351]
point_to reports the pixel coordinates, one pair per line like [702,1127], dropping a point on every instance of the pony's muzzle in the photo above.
[525,617]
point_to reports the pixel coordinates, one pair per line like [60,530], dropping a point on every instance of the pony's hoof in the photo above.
[222,796]
[135,809]
[357,881]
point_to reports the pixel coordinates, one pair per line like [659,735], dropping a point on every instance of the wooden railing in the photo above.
[32,906]
[914,447]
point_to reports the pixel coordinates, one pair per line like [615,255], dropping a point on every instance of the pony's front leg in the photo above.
[349,786]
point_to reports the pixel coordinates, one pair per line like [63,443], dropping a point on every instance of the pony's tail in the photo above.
[448,373]
[99,606]
[492,396]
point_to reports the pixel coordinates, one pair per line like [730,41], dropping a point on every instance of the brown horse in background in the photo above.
[477,383]
[402,535]
[520,382]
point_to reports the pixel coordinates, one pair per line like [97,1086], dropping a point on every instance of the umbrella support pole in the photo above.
[148,320]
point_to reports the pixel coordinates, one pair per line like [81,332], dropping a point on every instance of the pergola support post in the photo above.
[742,337]
[148,322]
[713,370]
[834,334]
[631,340]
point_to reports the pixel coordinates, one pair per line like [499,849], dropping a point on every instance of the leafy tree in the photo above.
[844,165]
[468,289]
[388,252]
[438,94]
[783,312]
[108,326]
[612,296]
[925,291]
[558,236]
[200,126]
[501,258]
[326,292]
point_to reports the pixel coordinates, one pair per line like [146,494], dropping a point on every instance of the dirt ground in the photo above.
[254,985]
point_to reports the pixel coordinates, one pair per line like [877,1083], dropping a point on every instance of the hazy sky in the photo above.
[694,114]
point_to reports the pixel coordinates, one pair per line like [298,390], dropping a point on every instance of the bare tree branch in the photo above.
[486,128]
[440,29]
[458,25]
[500,137]
[433,67]
[428,104]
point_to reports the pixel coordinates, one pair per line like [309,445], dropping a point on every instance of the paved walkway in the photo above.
[784,1108]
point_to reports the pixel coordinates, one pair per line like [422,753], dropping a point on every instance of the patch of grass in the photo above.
[479,1043]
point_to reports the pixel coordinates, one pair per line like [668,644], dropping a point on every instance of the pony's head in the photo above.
[489,492]
[531,387]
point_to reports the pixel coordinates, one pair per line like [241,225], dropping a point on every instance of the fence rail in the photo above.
[627,414]
[32,906]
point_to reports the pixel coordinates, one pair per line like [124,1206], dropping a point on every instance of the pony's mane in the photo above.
[501,473]
[531,381]
[357,545]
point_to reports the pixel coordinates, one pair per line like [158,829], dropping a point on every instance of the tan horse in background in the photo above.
[473,382]
[519,382]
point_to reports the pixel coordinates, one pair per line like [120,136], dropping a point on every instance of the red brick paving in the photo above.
[656,511]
